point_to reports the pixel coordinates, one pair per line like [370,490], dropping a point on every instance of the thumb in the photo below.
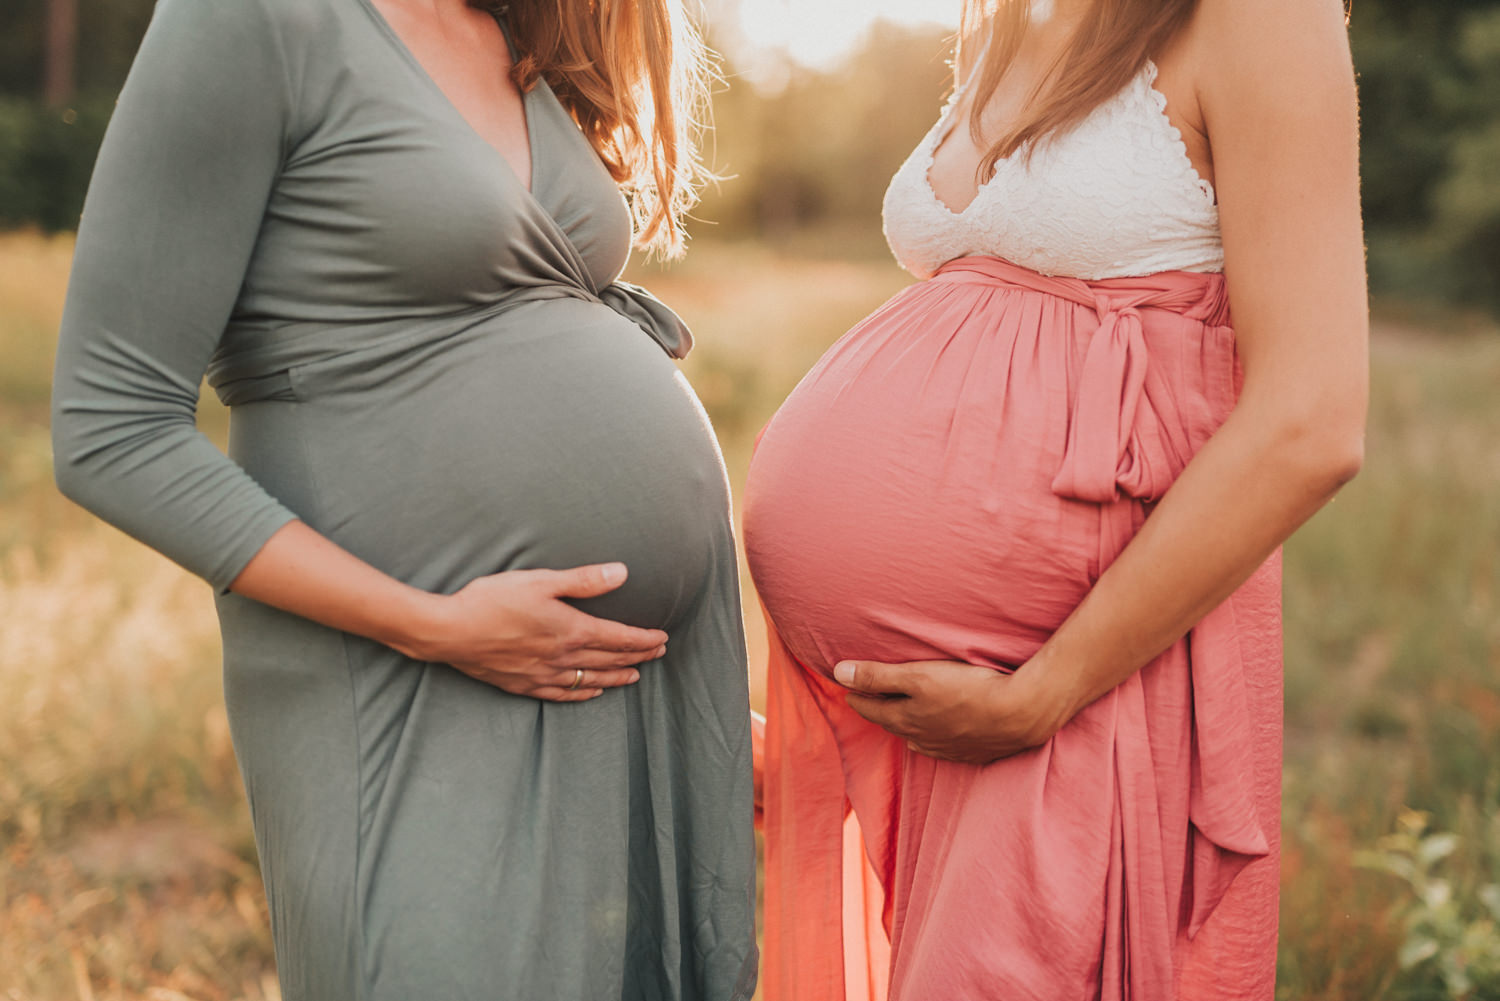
[588,581]
[874,678]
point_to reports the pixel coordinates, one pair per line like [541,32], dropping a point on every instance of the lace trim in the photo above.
[1159,102]
[930,143]
[1152,212]
[941,130]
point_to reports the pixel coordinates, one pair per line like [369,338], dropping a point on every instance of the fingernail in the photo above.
[634,676]
[614,573]
[843,673]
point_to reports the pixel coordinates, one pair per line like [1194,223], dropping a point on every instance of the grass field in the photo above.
[126,865]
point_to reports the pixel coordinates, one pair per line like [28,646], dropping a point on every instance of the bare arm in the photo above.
[1277,90]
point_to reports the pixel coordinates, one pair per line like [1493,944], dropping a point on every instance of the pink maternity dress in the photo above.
[947,483]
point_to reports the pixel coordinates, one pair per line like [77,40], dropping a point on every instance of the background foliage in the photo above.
[810,155]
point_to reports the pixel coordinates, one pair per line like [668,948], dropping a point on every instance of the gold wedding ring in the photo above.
[577,679]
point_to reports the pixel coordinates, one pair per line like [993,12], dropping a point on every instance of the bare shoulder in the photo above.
[1286,54]
[1276,85]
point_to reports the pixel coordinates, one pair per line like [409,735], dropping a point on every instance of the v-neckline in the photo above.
[527,118]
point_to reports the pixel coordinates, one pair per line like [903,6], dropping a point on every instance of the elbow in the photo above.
[71,476]
[1339,462]
[1321,453]
[1310,436]
[77,477]
[1351,459]
[74,484]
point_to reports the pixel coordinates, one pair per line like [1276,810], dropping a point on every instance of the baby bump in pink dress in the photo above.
[947,483]
[908,482]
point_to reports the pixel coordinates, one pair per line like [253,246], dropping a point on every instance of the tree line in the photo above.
[813,154]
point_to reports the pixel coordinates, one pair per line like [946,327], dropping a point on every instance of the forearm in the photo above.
[1246,491]
[302,572]
[1285,151]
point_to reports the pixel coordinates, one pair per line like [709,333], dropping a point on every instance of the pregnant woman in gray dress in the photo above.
[479,765]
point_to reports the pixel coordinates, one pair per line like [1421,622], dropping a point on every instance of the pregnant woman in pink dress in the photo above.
[1016,534]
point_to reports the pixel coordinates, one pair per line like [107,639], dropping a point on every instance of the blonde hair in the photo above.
[1109,47]
[634,75]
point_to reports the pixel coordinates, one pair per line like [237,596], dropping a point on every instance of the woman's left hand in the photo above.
[953,711]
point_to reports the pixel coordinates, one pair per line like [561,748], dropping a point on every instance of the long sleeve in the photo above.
[169,226]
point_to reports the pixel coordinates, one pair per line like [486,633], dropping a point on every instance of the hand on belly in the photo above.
[954,711]
[512,630]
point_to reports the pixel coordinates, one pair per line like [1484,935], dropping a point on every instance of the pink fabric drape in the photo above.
[947,483]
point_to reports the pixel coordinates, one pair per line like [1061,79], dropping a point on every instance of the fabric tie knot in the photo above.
[1108,450]
[650,314]
[1118,443]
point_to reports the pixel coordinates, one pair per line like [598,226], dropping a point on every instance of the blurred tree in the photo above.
[61,64]
[817,148]
[23,25]
[1429,78]
[107,35]
[1467,198]
[814,150]
[62,47]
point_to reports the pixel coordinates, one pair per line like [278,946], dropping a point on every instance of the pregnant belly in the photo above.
[554,435]
[899,504]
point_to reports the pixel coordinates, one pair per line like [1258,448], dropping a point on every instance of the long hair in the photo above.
[1109,47]
[634,75]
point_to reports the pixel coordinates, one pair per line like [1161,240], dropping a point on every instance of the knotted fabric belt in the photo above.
[1118,443]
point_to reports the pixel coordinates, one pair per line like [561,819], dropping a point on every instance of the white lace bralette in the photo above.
[1115,196]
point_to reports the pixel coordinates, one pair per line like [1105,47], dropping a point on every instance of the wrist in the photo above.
[415,626]
[1050,703]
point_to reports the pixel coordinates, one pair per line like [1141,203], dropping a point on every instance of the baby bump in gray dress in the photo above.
[434,367]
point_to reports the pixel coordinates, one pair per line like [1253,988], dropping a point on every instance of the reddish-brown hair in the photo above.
[1109,47]
[634,74]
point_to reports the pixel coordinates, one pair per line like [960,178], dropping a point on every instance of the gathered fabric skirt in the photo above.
[948,483]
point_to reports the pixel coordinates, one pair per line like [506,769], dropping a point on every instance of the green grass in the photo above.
[126,864]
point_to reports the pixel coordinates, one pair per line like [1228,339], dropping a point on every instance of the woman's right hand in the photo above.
[512,630]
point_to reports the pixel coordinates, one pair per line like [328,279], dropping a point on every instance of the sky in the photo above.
[818,32]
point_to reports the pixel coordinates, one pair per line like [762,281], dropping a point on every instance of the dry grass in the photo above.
[31,283]
[125,860]
[126,863]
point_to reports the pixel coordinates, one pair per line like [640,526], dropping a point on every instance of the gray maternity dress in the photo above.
[434,367]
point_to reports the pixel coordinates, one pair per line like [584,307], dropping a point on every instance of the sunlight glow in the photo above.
[820,32]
